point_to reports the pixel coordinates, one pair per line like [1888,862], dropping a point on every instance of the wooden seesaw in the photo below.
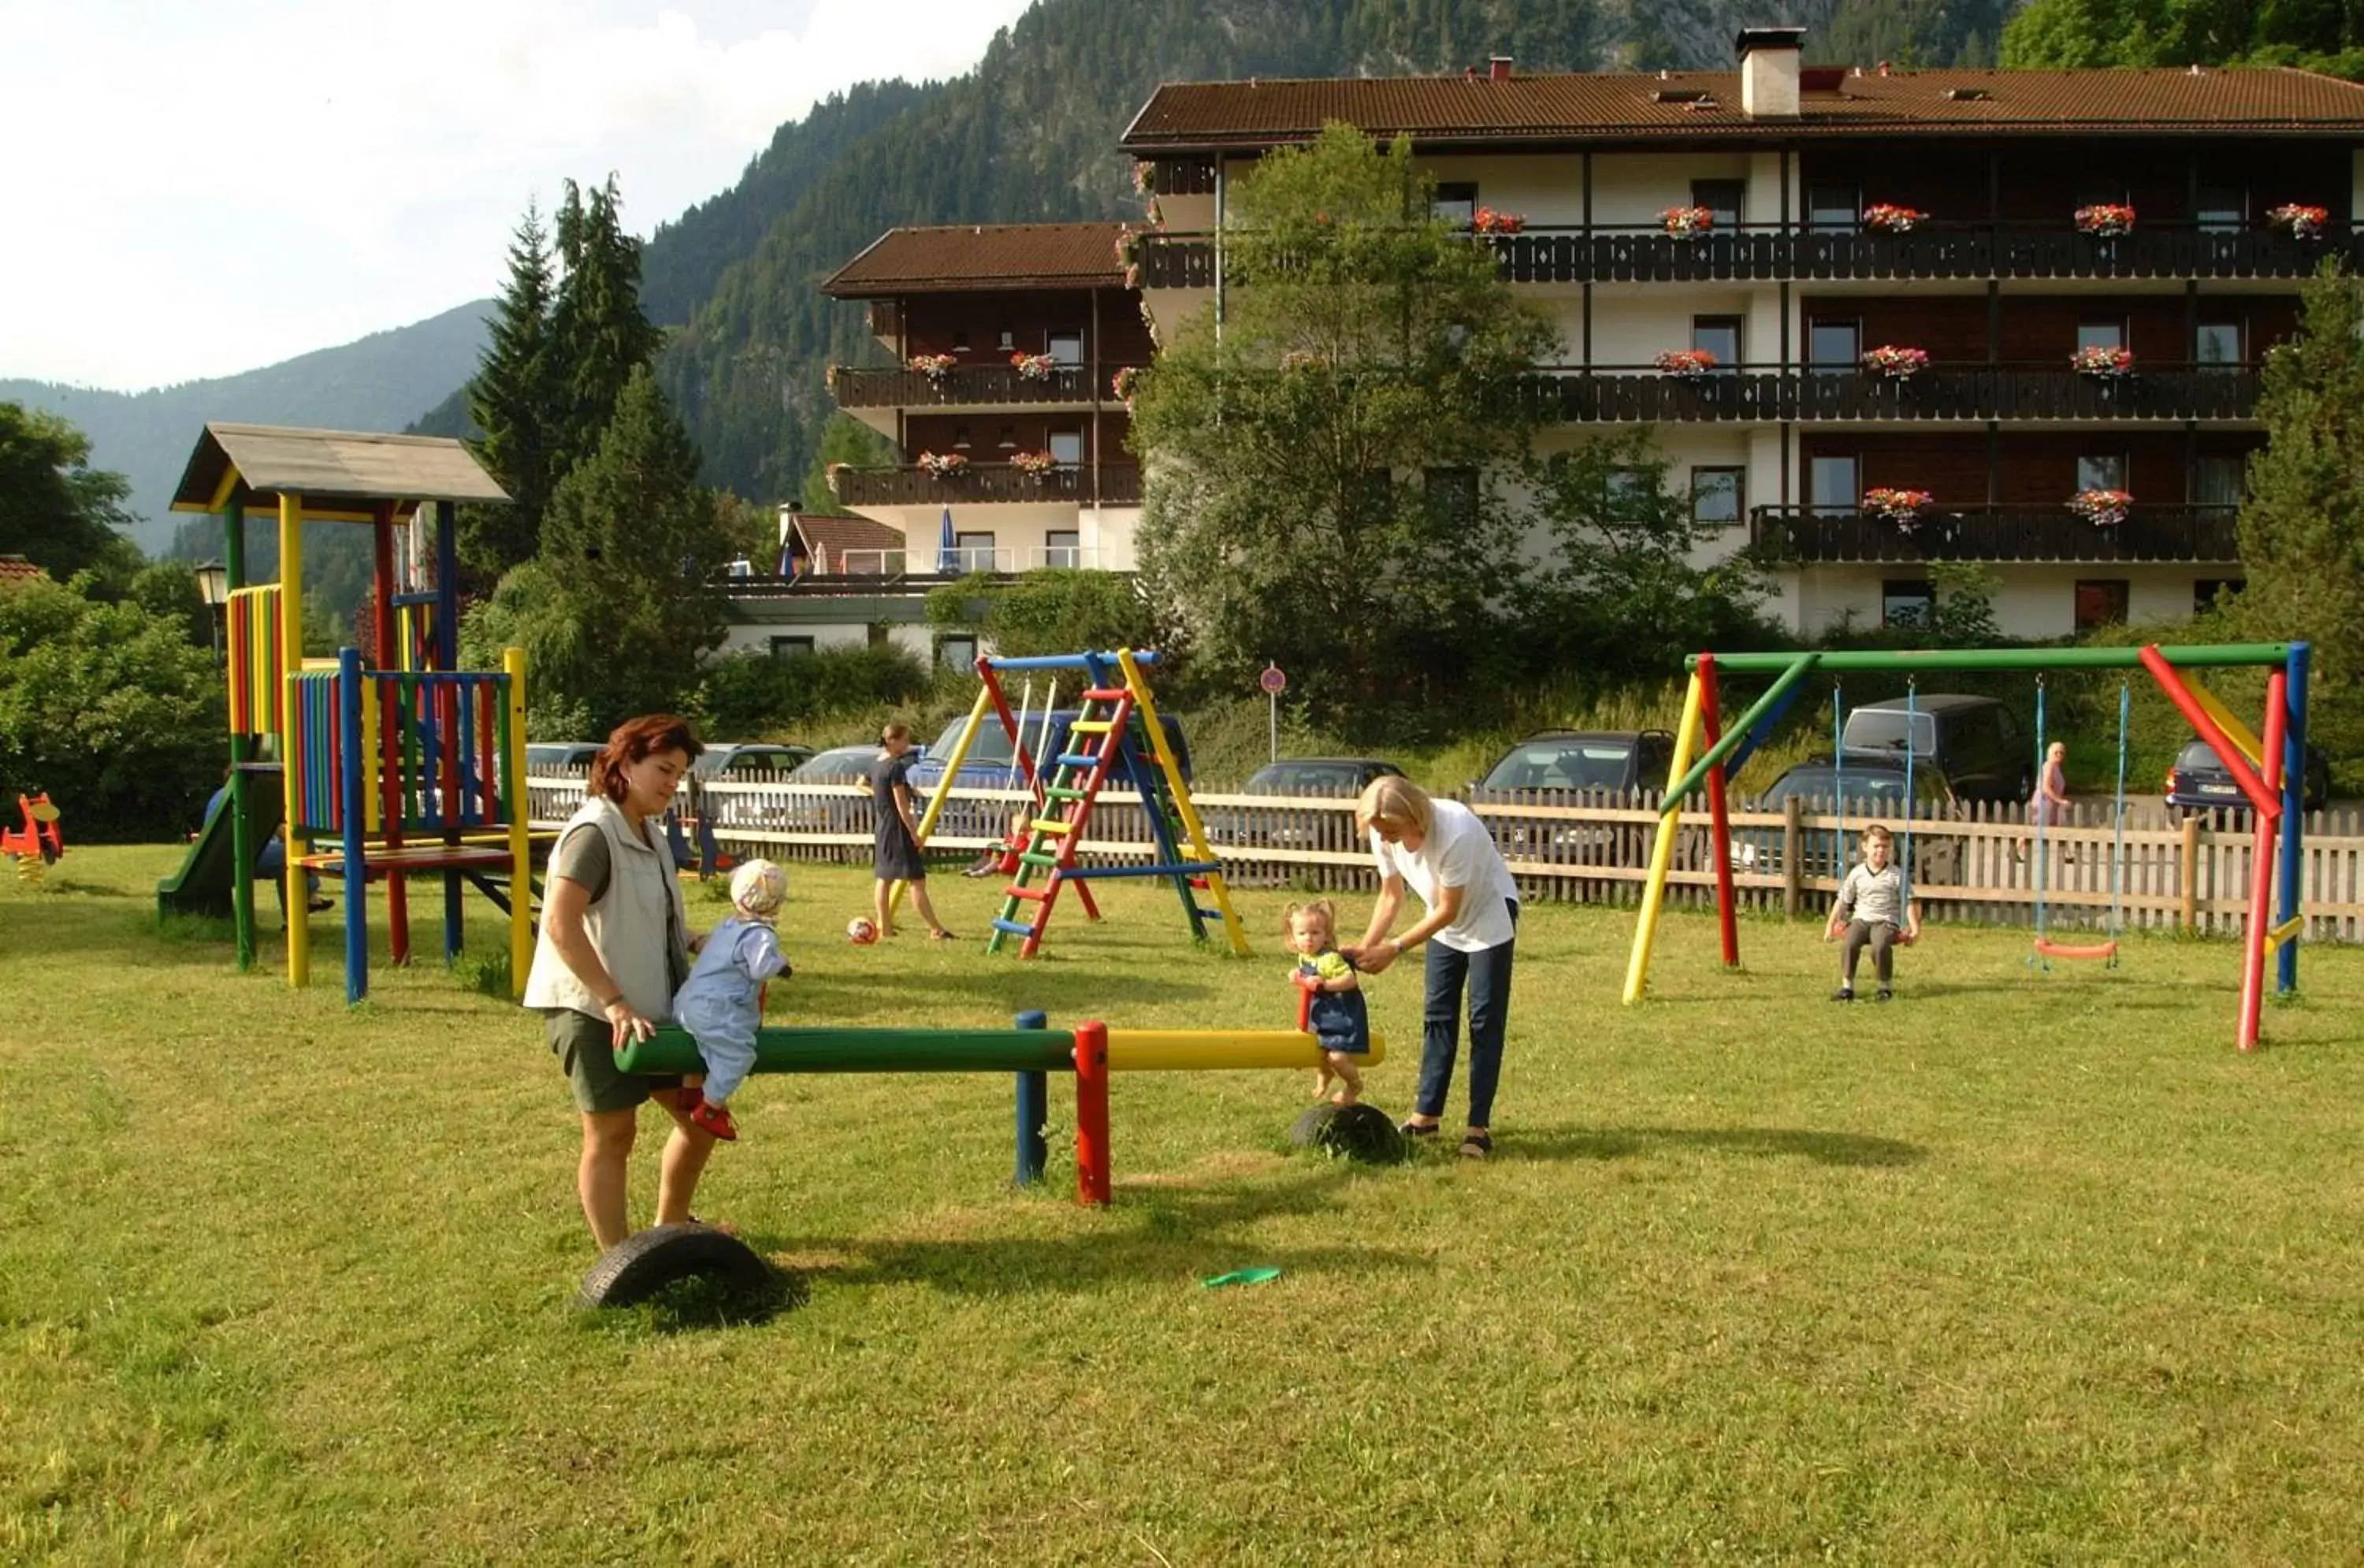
[1031,1051]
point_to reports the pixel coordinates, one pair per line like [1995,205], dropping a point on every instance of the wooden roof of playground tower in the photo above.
[340,473]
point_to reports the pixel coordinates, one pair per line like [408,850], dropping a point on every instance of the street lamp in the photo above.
[213,587]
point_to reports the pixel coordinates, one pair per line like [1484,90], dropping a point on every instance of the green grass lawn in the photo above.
[2018,1268]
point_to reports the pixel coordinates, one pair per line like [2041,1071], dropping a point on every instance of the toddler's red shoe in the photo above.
[715,1120]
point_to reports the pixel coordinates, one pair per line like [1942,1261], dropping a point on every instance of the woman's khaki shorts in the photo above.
[587,1046]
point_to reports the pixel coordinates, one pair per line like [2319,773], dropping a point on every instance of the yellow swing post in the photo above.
[1662,851]
[1183,806]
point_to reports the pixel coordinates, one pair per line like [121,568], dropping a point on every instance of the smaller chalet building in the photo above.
[999,345]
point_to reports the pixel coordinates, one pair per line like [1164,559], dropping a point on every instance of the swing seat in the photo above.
[2047,948]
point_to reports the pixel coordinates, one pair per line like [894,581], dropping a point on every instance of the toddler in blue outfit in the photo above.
[722,1003]
[1334,1010]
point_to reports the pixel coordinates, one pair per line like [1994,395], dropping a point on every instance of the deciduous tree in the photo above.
[2302,522]
[1323,461]
[56,510]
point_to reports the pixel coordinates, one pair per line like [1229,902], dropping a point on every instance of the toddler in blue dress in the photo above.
[1333,994]
[722,1003]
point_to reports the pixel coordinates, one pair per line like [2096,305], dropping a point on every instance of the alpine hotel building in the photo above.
[1873,319]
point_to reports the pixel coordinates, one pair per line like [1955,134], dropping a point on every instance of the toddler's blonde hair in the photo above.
[1321,907]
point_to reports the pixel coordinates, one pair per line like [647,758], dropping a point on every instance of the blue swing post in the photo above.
[2294,865]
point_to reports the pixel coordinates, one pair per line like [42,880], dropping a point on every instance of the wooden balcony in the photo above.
[1806,536]
[1639,393]
[1773,254]
[966,386]
[1118,484]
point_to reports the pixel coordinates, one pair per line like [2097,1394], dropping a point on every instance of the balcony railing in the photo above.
[1000,559]
[2167,533]
[1770,253]
[1117,485]
[965,386]
[1969,392]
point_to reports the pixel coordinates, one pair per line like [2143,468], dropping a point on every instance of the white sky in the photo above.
[197,189]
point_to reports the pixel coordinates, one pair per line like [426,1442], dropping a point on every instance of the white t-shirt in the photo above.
[1457,853]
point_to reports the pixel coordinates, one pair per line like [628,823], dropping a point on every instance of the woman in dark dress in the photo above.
[894,855]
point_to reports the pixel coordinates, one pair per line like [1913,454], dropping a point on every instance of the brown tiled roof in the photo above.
[17,569]
[1183,116]
[983,256]
[827,539]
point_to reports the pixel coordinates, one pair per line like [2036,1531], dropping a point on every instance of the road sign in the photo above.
[1272,679]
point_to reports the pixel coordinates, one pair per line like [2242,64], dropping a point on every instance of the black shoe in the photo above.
[1884,994]
[1477,1145]
[1844,994]
[1414,1129]
[319,906]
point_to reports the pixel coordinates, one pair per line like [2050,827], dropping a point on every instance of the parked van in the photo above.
[1975,741]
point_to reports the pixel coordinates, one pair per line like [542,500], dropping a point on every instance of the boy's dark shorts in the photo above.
[585,1046]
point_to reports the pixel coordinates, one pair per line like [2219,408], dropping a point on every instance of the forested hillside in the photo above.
[1030,136]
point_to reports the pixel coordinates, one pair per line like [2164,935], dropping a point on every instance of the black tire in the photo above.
[642,1265]
[1359,1132]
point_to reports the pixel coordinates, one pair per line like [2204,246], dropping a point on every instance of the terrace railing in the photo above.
[2165,533]
[1980,392]
[1646,253]
[910,485]
[967,385]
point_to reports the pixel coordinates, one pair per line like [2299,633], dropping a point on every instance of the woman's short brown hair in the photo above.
[897,730]
[633,740]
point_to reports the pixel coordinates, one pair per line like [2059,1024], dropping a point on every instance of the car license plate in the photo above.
[2220,789]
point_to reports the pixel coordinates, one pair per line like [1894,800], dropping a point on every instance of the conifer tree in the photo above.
[631,544]
[598,330]
[514,400]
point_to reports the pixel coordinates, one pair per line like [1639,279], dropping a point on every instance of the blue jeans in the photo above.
[1487,977]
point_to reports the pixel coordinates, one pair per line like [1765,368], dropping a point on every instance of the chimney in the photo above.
[1768,72]
[1498,68]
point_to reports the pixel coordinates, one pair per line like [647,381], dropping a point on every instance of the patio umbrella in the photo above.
[947,548]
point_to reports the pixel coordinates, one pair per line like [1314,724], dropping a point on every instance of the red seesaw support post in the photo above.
[2261,863]
[1092,1185]
[1712,728]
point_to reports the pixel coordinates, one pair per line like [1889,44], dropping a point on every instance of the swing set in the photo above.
[2269,770]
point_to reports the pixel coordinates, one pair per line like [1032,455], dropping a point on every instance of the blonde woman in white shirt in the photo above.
[1440,850]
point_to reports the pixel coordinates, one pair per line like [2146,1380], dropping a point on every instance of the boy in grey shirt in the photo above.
[1870,908]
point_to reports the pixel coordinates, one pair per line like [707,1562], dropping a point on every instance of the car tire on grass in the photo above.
[642,1265]
[1359,1132]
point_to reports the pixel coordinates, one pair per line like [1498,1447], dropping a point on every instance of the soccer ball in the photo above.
[859,931]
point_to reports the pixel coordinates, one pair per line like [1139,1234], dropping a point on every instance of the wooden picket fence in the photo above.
[1975,864]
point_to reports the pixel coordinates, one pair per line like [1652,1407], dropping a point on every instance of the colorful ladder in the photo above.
[1097,743]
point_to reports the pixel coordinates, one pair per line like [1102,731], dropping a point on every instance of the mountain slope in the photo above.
[380,382]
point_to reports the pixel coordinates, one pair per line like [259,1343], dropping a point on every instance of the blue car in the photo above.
[2198,783]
